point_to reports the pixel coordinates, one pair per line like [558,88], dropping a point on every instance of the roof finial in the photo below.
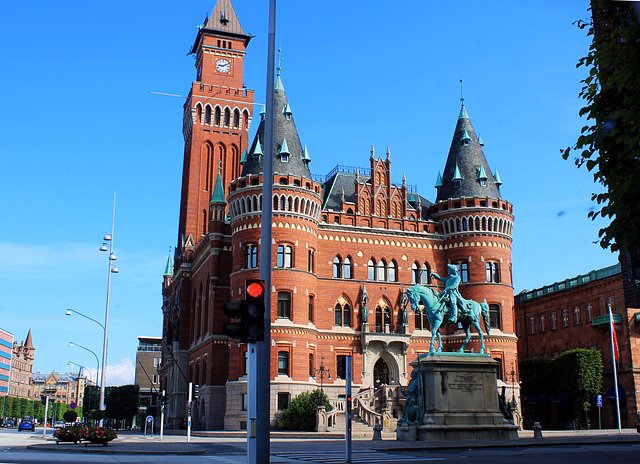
[279,68]
[219,166]
[461,92]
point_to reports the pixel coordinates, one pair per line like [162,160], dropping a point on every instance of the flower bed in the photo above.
[87,434]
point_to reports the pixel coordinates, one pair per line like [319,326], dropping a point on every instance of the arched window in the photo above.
[207,116]
[379,327]
[346,268]
[458,229]
[381,273]
[371,268]
[217,116]
[337,268]
[246,120]
[425,276]
[342,315]
[227,117]
[391,272]
[415,273]
[464,224]
[236,118]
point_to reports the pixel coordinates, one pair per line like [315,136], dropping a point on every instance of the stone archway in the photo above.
[381,374]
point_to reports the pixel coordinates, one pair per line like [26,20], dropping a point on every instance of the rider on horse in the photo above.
[451,292]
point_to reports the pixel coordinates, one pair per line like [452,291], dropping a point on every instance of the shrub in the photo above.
[301,413]
[70,416]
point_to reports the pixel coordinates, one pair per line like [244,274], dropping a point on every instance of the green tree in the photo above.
[122,402]
[535,374]
[579,374]
[609,146]
[301,413]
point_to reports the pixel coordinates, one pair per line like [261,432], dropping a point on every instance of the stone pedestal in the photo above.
[461,398]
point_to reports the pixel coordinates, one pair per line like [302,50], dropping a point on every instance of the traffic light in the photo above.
[196,391]
[254,310]
[235,329]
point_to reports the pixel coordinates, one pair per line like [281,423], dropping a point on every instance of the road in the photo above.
[13,449]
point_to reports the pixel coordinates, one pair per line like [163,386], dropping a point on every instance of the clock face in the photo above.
[223,66]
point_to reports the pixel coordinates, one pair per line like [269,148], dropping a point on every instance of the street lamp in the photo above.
[69,311]
[108,241]
[323,371]
[90,351]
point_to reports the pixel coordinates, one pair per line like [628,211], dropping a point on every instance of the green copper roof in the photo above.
[168,270]
[287,109]
[305,154]
[496,178]
[278,85]
[244,156]
[463,113]
[258,149]
[481,174]
[465,137]
[457,175]
[438,181]
[412,199]
[218,191]
[284,149]
[480,142]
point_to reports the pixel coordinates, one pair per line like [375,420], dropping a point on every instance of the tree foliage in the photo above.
[609,146]
[122,402]
[579,374]
[575,373]
[301,413]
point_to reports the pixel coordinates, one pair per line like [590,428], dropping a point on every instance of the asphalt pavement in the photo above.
[234,443]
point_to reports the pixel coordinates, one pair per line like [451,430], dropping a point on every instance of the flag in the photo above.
[616,352]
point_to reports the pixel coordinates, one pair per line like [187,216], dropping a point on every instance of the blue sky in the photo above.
[77,123]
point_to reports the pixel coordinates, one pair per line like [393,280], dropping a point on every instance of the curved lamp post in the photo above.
[108,240]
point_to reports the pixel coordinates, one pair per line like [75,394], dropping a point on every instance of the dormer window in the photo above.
[481,176]
[465,139]
[284,157]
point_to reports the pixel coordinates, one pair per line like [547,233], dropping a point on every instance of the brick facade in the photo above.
[329,251]
[573,314]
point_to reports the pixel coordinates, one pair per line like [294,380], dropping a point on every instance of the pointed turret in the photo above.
[218,190]
[223,20]
[29,341]
[168,270]
[466,167]
[286,141]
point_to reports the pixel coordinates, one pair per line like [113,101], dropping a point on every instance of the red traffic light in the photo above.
[255,289]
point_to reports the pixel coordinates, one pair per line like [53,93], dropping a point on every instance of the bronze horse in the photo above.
[435,312]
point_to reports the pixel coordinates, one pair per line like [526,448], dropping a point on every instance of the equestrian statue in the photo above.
[448,307]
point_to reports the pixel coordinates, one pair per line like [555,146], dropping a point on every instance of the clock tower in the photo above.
[217,116]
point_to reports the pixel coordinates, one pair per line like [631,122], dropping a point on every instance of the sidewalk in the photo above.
[234,443]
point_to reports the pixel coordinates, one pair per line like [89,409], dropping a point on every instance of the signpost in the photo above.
[148,421]
[599,412]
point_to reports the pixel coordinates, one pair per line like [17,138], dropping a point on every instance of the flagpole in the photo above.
[615,370]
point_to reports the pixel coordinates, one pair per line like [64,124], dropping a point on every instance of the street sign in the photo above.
[73,405]
[149,418]
[599,401]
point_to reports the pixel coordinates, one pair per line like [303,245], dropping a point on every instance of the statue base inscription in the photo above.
[460,398]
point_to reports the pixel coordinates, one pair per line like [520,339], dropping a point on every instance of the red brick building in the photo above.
[573,314]
[344,247]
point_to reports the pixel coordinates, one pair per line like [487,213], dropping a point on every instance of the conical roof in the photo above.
[218,191]
[29,341]
[285,134]
[464,163]
[168,270]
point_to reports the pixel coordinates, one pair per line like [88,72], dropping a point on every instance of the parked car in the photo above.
[9,423]
[58,425]
[27,424]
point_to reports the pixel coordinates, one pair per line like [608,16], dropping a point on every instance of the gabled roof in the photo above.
[459,178]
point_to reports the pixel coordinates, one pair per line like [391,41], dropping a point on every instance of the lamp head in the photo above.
[107,237]
[68,312]
[103,248]
[114,270]
[70,343]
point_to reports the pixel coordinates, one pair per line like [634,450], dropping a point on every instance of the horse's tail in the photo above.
[485,315]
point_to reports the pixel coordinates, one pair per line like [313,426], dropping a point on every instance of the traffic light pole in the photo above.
[46,410]
[162,414]
[262,380]
[189,413]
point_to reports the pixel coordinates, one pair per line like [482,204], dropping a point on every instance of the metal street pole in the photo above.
[162,415]
[615,370]
[189,412]
[263,348]
[348,411]
[106,313]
